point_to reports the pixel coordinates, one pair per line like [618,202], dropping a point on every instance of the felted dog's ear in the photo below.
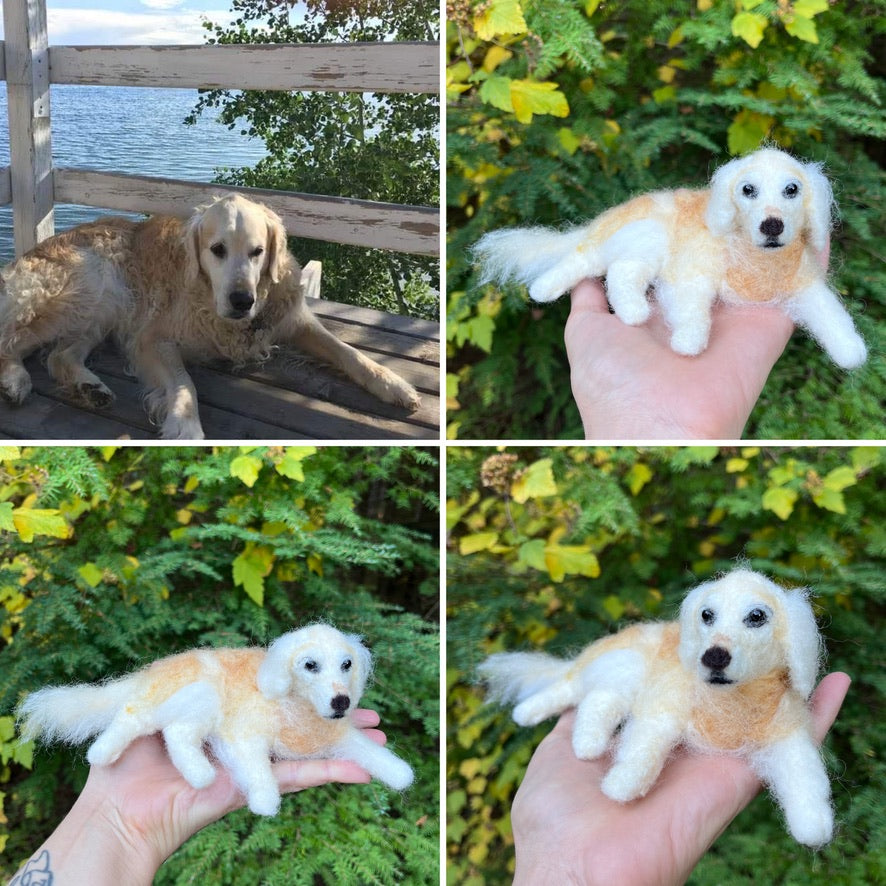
[364,664]
[278,252]
[720,214]
[274,677]
[819,205]
[803,645]
[191,243]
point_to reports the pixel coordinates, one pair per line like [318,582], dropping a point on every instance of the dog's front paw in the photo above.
[175,428]
[15,383]
[98,396]
[389,387]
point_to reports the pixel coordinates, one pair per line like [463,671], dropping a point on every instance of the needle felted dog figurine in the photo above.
[249,706]
[756,235]
[732,675]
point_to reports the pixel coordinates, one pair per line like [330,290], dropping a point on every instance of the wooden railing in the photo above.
[33,185]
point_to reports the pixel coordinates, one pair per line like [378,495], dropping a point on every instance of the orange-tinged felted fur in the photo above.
[248,706]
[732,675]
[757,235]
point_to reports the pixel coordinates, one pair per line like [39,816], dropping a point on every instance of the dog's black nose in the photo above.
[772,226]
[339,705]
[716,658]
[241,301]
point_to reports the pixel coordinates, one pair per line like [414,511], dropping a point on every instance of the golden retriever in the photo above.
[222,284]
[732,675]
[757,235]
[249,706]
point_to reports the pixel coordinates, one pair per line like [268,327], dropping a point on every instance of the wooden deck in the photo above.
[289,397]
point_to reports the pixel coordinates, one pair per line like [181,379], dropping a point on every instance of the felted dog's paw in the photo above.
[849,354]
[264,802]
[620,784]
[812,825]
[590,742]
[397,775]
[689,342]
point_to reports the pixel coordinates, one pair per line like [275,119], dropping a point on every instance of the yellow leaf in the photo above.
[571,559]
[250,568]
[810,8]
[591,7]
[736,465]
[537,481]
[91,574]
[803,29]
[184,516]
[750,27]
[478,541]
[534,97]
[676,37]
[747,130]
[830,500]
[780,500]
[500,17]
[666,73]
[246,468]
[291,463]
[638,476]
[10,453]
[30,522]
[839,478]
[704,5]
[315,564]
[191,484]
[495,56]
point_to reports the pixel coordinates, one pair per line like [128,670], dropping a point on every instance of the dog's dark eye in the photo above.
[791,190]
[756,618]
[259,250]
[707,616]
[346,664]
[311,665]
[749,191]
[218,250]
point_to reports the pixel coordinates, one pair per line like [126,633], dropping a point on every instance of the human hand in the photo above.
[134,814]
[629,385]
[567,831]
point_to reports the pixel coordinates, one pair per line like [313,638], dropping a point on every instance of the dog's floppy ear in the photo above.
[191,243]
[274,677]
[819,205]
[278,251]
[720,214]
[364,665]
[803,645]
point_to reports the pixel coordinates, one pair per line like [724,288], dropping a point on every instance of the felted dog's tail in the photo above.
[72,713]
[512,677]
[525,254]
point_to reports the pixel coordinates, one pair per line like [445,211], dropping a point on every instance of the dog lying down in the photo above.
[757,235]
[221,285]
[247,706]
[732,676]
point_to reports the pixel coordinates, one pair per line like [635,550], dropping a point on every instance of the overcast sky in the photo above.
[114,22]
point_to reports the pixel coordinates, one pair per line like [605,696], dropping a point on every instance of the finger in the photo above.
[826,702]
[363,717]
[296,775]
[589,295]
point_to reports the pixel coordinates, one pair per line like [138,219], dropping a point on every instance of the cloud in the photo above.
[161,4]
[107,27]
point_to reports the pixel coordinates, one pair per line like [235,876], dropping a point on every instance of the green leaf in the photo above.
[246,468]
[830,500]
[250,568]
[803,29]
[496,91]
[532,553]
[91,574]
[291,463]
[809,8]
[537,481]
[780,500]
[10,453]
[6,522]
[750,27]
[840,478]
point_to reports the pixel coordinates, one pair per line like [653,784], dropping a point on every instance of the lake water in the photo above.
[129,130]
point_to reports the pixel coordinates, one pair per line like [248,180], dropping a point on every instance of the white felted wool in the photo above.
[732,675]
[753,237]
[250,706]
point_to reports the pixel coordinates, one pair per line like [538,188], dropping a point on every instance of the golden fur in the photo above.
[222,284]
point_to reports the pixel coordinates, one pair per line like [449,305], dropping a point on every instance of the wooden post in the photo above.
[30,147]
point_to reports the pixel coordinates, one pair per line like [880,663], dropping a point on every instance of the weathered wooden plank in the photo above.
[26,53]
[348,67]
[410,229]
[2,59]
[411,326]
[5,186]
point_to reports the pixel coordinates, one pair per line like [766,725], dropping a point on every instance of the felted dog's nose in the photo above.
[340,704]
[771,226]
[716,658]
[241,301]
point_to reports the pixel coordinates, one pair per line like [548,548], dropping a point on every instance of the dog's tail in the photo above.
[512,677]
[72,714]
[523,255]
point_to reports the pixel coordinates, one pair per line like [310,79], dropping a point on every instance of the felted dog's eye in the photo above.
[311,665]
[218,250]
[707,616]
[791,190]
[749,191]
[346,664]
[756,618]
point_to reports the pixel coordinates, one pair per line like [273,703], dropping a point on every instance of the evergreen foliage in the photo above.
[559,109]
[382,147]
[150,551]
[552,548]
